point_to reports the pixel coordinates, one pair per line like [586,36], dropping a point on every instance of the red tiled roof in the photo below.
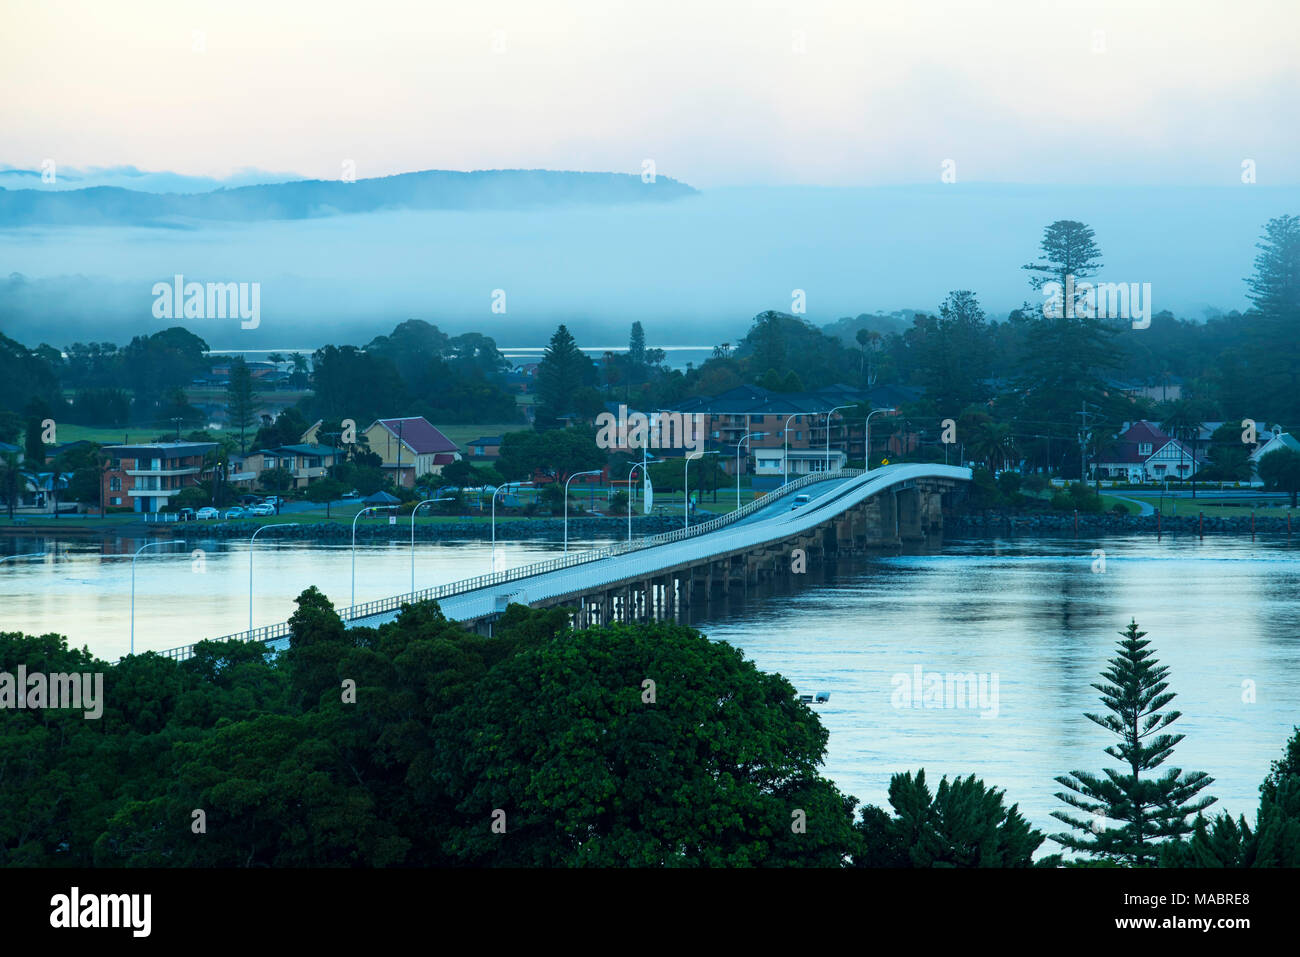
[419,435]
[1125,450]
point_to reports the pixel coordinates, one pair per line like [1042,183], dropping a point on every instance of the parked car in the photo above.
[800,500]
[273,500]
[208,512]
[185,515]
[352,494]
[262,509]
[235,512]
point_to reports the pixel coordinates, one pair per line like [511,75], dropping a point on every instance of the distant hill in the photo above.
[306,199]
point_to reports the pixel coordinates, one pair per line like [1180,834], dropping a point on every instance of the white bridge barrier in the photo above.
[479,596]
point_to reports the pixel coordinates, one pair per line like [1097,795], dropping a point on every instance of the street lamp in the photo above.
[368,508]
[427,501]
[866,455]
[785,457]
[566,504]
[494,518]
[250,566]
[174,541]
[686,482]
[828,437]
[751,435]
[638,465]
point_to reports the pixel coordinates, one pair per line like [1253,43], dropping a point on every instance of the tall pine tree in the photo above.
[1149,809]
[563,371]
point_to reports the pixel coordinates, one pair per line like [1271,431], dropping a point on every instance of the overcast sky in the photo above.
[715,92]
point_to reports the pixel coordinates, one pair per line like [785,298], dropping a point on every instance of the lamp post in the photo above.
[828,437]
[566,504]
[785,457]
[738,445]
[174,541]
[494,517]
[250,566]
[368,508]
[866,455]
[427,501]
[638,465]
[686,482]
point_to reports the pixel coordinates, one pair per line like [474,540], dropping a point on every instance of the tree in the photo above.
[1274,347]
[1280,469]
[1151,810]
[12,480]
[1182,420]
[963,825]
[241,399]
[563,371]
[277,479]
[33,447]
[1275,841]
[636,346]
[1065,352]
[325,490]
[710,770]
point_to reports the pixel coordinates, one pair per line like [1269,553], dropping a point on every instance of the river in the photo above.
[1039,614]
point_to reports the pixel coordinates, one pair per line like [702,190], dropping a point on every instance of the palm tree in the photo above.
[298,378]
[1181,419]
[991,444]
[11,479]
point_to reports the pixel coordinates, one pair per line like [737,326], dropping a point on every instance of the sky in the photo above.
[714,92]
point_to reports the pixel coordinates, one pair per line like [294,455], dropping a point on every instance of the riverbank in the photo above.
[1010,520]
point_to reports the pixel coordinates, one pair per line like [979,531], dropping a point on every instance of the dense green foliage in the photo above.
[418,743]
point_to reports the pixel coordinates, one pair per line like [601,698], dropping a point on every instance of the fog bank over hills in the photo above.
[694,270]
[305,199]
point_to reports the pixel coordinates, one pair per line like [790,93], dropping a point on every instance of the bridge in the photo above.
[658,576]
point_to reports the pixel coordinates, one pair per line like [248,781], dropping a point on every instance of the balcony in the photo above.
[188,470]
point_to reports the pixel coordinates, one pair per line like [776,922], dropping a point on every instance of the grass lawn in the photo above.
[1208,506]
[113,435]
[463,434]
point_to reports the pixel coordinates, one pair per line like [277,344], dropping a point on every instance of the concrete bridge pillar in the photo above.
[911,527]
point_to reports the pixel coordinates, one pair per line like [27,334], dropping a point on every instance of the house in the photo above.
[1145,453]
[147,476]
[798,421]
[410,447]
[1283,440]
[485,448]
[305,462]
[7,449]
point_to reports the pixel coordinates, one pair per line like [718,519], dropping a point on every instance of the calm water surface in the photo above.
[1222,614]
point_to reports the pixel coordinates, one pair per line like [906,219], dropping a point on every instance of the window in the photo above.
[115,484]
[117,500]
[117,465]
[1144,448]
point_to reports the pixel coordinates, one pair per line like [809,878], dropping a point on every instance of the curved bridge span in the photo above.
[848,511]
[661,574]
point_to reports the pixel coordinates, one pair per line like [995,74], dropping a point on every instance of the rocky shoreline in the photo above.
[1029,523]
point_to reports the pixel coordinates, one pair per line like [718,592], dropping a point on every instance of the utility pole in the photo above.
[1083,441]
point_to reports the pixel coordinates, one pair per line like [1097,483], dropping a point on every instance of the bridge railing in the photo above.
[395,602]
